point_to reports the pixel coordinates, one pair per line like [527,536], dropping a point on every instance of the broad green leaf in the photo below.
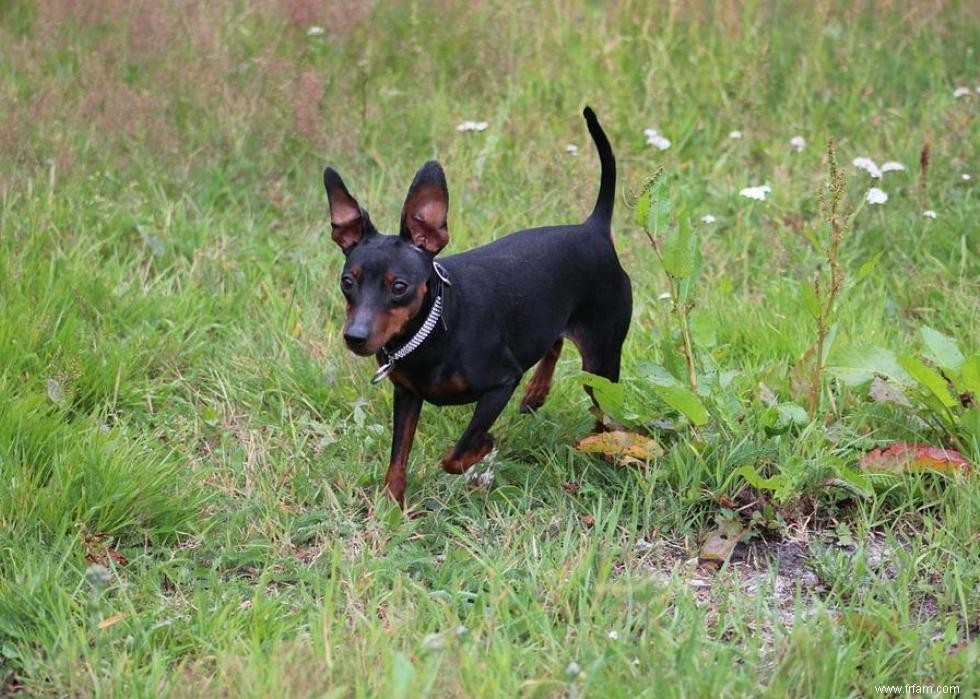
[704,328]
[684,401]
[808,299]
[755,479]
[674,366]
[780,418]
[970,376]
[928,378]
[658,375]
[686,284]
[858,364]
[675,394]
[658,213]
[857,480]
[680,249]
[609,395]
[970,423]
[941,349]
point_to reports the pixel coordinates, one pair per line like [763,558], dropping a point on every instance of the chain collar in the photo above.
[435,313]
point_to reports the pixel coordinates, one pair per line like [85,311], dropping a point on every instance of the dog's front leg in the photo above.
[476,441]
[406,417]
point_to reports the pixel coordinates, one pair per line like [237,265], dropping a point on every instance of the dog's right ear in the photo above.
[347,219]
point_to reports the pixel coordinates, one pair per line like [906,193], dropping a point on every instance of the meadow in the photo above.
[191,460]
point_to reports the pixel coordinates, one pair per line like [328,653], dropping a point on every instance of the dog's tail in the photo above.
[602,213]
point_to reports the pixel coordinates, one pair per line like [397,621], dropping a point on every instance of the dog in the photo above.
[466,328]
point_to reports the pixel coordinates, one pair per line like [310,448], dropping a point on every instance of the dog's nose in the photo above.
[355,337]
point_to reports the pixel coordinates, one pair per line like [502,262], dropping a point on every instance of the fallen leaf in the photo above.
[570,487]
[882,391]
[902,457]
[116,556]
[114,619]
[721,542]
[625,447]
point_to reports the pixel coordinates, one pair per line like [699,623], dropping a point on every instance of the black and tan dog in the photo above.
[466,329]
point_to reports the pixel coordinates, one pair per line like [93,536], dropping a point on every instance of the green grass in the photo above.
[174,390]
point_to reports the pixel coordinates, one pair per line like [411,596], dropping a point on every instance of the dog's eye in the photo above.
[347,283]
[398,288]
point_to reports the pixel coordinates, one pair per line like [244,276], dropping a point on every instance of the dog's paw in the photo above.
[457,463]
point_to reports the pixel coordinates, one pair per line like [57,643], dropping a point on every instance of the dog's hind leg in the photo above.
[540,383]
[599,335]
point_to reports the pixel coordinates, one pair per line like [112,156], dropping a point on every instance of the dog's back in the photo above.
[556,281]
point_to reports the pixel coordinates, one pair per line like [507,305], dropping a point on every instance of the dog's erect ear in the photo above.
[348,221]
[426,209]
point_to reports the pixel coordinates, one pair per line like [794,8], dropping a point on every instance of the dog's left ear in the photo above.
[426,209]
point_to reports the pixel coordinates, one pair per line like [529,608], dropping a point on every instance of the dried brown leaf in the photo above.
[903,457]
[721,542]
[625,447]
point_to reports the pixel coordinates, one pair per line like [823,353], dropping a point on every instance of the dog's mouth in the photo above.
[362,349]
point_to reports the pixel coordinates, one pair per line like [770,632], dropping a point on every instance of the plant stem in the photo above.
[682,309]
[829,297]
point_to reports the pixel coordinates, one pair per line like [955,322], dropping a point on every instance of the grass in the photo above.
[191,460]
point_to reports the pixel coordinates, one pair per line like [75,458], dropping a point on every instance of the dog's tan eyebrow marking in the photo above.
[356,272]
[389,277]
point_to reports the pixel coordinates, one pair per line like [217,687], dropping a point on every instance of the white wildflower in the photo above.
[892,166]
[571,149]
[612,635]
[707,218]
[929,213]
[798,143]
[573,670]
[664,296]
[868,165]
[961,92]
[315,31]
[656,139]
[472,126]
[735,134]
[965,177]
[758,193]
[876,196]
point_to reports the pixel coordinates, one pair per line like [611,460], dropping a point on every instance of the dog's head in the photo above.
[385,277]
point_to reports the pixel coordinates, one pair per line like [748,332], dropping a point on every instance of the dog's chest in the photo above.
[437,387]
